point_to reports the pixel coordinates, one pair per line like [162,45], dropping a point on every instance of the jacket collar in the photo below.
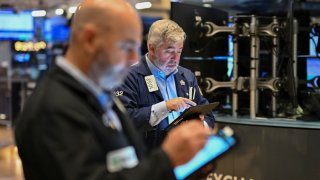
[78,75]
[181,84]
[143,69]
[63,77]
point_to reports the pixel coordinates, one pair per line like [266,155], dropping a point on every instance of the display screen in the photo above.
[56,29]
[215,146]
[313,68]
[16,26]
[22,57]
[314,39]
[313,62]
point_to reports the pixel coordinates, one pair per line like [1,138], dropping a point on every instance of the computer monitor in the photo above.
[56,29]
[314,42]
[313,61]
[313,72]
[16,26]
[21,58]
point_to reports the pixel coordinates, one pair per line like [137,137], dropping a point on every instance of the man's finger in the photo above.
[188,101]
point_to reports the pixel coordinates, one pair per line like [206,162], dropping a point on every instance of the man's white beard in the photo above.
[165,70]
[109,78]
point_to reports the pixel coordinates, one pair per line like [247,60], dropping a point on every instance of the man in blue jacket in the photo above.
[157,89]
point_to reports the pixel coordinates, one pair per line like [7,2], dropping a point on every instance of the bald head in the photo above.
[103,14]
[104,27]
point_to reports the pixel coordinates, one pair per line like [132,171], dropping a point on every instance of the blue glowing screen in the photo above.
[215,146]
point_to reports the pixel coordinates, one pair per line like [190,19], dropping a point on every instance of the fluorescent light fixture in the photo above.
[38,13]
[59,11]
[3,116]
[207,5]
[143,5]
[72,9]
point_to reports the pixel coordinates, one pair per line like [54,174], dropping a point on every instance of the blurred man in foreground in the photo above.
[72,128]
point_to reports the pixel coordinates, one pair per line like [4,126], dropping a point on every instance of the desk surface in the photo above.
[274,122]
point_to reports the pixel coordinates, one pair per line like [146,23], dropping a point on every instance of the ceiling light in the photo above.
[72,9]
[207,5]
[143,5]
[59,11]
[38,13]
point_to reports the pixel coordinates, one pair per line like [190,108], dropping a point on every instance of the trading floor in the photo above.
[10,164]
[109,89]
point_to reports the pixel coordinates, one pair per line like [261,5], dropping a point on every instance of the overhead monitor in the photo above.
[56,29]
[16,26]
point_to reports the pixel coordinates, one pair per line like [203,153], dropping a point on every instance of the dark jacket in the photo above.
[60,135]
[138,100]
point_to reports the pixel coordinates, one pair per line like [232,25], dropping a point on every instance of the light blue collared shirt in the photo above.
[168,89]
[104,98]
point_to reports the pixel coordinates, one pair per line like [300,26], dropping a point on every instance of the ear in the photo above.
[89,38]
[151,49]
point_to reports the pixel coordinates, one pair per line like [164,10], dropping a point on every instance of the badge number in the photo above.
[151,83]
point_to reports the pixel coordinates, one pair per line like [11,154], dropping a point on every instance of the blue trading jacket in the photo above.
[138,100]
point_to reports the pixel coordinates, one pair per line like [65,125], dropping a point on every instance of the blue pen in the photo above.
[190,104]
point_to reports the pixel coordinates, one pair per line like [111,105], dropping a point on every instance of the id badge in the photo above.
[151,83]
[121,158]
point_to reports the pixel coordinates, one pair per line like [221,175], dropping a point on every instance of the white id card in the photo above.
[151,83]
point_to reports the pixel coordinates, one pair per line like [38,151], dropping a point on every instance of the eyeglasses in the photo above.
[172,51]
[128,46]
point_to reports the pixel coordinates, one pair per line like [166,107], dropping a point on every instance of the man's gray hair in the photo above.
[165,30]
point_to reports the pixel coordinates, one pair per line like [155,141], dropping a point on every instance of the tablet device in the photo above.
[193,112]
[216,146]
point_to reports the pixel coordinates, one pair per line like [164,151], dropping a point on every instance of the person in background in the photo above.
[157,89]
[73,128]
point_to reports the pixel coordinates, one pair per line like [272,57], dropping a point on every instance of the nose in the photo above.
[176,56]
[133,57]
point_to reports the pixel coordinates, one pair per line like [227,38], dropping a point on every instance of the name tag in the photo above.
[121,158]
[151,83]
